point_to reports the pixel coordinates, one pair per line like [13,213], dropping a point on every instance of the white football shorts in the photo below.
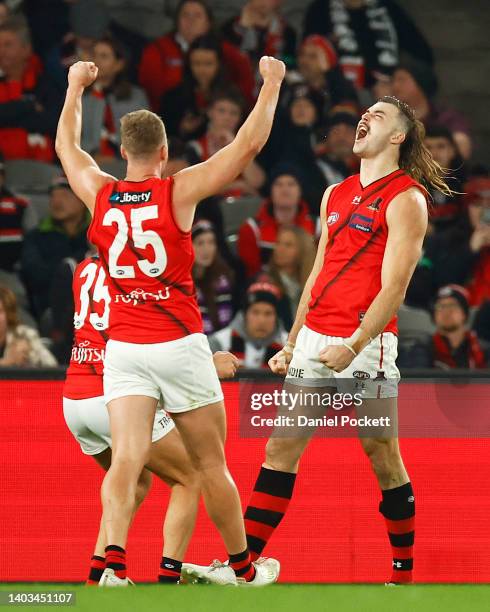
[180,372]
[88,421]
[373,371]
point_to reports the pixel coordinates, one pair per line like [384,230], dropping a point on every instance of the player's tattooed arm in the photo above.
[406,217]
[83,173]
[198,182]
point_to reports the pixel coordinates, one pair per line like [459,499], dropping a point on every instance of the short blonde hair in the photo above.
[142,133]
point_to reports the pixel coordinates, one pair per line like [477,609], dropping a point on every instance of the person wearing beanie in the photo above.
[319,69]
[369,34]
[453,344]
[415,83]
[213,278]
[255,333]
[285,206]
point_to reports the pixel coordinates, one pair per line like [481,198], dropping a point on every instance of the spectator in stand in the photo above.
[12,209]
[29,103]
[478,200]
[336,160]
[446,210]
[184,108]
[318,68]
[89,22]
[369,34]
[163,61]
[4,12]
[213,278]
[285,206]
[256,333]
[60,235]
[453,344]
[225,114]
[107,101]
[260,30]
[289,267]
[20,345]
[416,84]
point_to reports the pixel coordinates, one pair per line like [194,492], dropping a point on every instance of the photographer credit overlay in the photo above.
[365,407]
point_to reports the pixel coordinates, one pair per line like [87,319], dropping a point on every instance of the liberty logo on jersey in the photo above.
[130,197]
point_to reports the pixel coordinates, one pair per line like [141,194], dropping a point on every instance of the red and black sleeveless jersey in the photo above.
[351,275]
[92,306]
[148,261]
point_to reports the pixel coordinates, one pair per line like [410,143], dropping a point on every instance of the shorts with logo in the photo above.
[180,372]
[88,421]
[373,371]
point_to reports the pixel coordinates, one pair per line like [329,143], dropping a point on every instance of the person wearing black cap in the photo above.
[60,235]
[255,333]
[285,206]
[453,344]
[415,83]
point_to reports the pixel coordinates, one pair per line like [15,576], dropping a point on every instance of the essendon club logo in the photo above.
[375,205]
[130,197]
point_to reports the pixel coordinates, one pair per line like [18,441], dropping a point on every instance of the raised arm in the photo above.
[279,362]
[407,223]
[208,178]
[83,173]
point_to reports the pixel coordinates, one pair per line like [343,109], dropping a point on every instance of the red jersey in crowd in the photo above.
[479,287]
[148,262]
[468,354]
[18,143]
[162,64]
[350,278]
[258,235]
[92,305]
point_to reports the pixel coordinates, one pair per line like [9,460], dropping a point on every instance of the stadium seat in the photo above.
[236,210]
[414,323]
[28,177]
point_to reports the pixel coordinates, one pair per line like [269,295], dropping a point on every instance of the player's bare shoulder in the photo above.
[409,210]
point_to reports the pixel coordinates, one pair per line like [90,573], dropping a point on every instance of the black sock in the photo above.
[398,508]
[169,571]
[266,508]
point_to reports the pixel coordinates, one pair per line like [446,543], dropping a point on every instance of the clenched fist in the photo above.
[226,364]
[272,70]
[82,74]
[279,363]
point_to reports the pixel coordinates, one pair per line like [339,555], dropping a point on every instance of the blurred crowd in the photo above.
[255,242]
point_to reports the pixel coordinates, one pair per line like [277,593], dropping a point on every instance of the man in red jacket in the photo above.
[29,105]
[284,207]
[162,61]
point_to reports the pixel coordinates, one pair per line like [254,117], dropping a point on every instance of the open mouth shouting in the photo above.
[362,131]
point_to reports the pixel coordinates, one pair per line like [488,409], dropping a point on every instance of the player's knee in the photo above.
[383,455]
[283,455]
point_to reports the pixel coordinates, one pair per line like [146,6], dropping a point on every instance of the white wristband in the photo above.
[350,348]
